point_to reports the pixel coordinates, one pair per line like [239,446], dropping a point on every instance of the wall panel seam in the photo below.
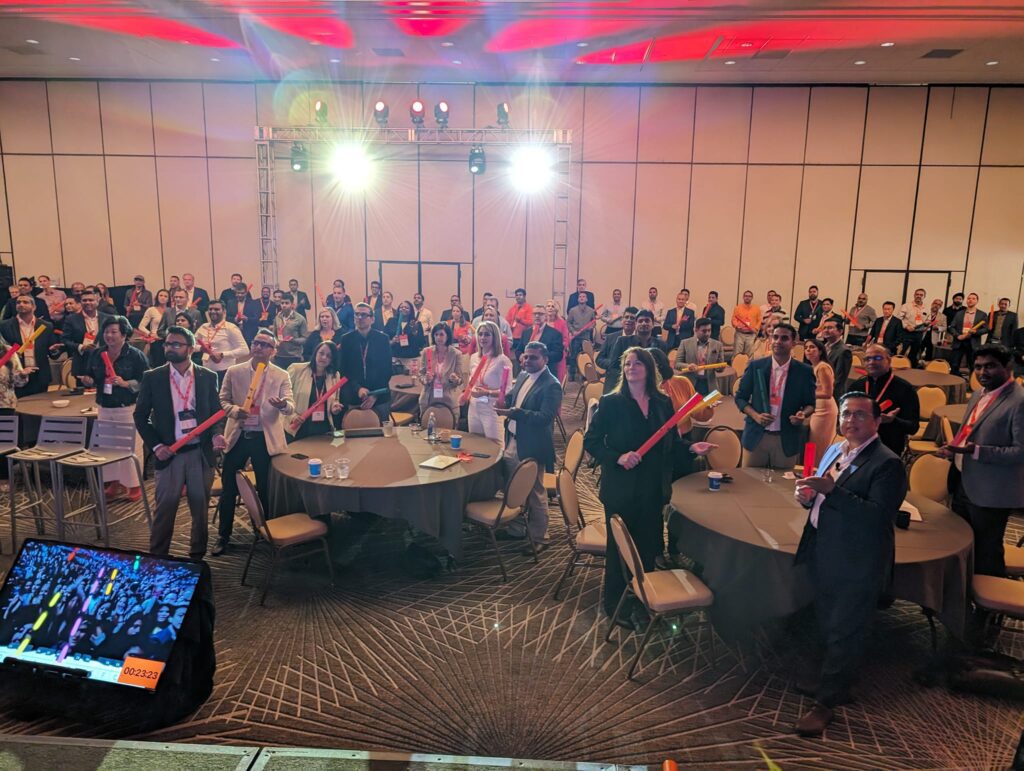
[917,193]
[106,183]
[56,194]
[636,182]
[156,185]
[746,187]
[689,182]
[977,186]
[209,191]
[856,202]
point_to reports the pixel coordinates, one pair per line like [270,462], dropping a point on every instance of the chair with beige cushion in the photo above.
[571,460]
[928,478]
[357,418]
[999,597]
[930,398]
[727,337]
[729,452]
[739,363]
[496,513]
[587,542]
[664,593]
[938,365]
[588,348]
[1014,557]
[443,416]
[280,533]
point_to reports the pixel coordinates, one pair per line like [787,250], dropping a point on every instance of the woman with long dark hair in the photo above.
[310,381]
[441,371]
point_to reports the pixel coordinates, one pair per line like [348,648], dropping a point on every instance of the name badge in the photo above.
[30,358]
[108,388]
[187,419]
[438,391]
[483,399]
[403,340]
[136,307]
[319,416]
[252,423]
[263,316]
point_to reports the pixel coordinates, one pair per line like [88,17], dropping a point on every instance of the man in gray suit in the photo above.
[987,477]
[839,356]
[697,351]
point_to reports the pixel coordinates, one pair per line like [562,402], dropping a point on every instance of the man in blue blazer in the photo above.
[777,396]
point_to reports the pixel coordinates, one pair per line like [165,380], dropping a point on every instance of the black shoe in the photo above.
[505,535]
[219,546]
[540,546]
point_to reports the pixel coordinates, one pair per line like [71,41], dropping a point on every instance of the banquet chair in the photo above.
[8,435]
[589,376]
[558,414]
[928,478]
[798,352]
[739,363]
[587,542]
[58,438]
[110,443]
[280,533]
[1014,558]
[999,597]
[443,416]
[66,378]
[588,348]
[900,362]
[727,337]
[975,384]
[930,398]
[357,418]
[856,362]
[938,365]
[571,460]
[729,452]
[495,513]
[664,593]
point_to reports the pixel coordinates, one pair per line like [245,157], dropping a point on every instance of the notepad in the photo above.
[915,513]
[440,462]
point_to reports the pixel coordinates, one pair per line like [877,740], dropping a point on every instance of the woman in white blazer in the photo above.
[482,417]
[310,381]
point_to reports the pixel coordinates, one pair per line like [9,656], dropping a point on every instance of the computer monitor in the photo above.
[105,614]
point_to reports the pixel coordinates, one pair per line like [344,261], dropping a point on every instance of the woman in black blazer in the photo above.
[635,488]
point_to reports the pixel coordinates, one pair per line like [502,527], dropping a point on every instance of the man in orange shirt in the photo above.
[520,318]
[746,318]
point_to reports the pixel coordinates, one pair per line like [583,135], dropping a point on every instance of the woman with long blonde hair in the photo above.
[487,390]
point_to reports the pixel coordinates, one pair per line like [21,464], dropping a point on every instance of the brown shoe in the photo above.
[814,722]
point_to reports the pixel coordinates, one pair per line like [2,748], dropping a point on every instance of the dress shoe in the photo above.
[219,547]
[815,721]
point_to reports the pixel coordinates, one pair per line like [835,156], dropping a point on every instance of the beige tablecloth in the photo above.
[41,405]
[386,479]
[745,537]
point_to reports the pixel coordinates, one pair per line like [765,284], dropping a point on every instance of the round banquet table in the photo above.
[405,392]
[745,537]
[954,385]
[724,379]
[725,414]
[386,479]
[41,405]
[954,412]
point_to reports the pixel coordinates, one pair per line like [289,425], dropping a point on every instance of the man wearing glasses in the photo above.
[366,362]
[848,545]
[896,398]
[256,434]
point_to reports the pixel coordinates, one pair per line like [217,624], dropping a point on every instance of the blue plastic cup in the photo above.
[456,440]
[714,481]
[315,467]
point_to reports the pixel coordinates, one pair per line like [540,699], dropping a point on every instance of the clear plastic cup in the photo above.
[389,428]
[329,470]
[344,468]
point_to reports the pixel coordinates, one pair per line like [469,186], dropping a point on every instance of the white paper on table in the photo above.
[915,513]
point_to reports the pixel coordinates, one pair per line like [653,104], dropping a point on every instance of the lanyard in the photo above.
[187,394]
[366,349]
[317,390]
[979,409]
[214,331]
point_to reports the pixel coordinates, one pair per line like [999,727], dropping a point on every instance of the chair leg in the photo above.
[248,560]
[533,546]
[501,562]
[38,498]
[11,466]
[615,617]
[565,574]
[270,574]
[327,558]
[561,425]
[930,615]
[711,637]
[643,645]
[95,483]
[57,472]
[139,469]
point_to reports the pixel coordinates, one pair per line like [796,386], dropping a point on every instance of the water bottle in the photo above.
[431,428]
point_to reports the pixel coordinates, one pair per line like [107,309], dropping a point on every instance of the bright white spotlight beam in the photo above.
[531,168]
[352,167]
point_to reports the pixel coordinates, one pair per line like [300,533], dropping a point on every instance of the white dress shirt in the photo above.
[182,385]
[225,338]
[846,458]
[531,378]
[779,373]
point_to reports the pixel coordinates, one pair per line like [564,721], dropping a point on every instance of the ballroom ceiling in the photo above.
[834,41]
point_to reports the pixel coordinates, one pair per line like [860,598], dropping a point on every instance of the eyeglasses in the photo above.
[262,344]
[175,345]
[876,357]
[363,315]
[858,415]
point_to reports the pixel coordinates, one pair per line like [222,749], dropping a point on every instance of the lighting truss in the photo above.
[414,136]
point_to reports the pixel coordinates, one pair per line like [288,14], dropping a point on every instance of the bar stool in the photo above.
[110,443]
[8,435]
[58,438]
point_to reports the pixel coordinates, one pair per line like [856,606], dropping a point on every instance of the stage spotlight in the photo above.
[441,114]
[503,114]
[351,166]
[531,168]
[320,111]
[300,158]
[477,161]
[380,113]
[416,112]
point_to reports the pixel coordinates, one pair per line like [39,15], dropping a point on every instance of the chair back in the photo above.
[443,416]
[360,419]
[798,352]
[856,362]
[108,435]
[521,483]
[728,335]
[590,372]
[63,431]
[8,429]
[900,362]
[672,356]
[629,555]
[569,504]
[930,398]
[938,365]
[252,504]
[593,391]
[729,452]
[592,405]
[739,363]
[574,453]
[928,478]
[66,378]
[582,360]
[975,383]
[947,430]
[588,348]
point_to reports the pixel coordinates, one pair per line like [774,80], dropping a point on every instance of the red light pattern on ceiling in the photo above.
[425,18]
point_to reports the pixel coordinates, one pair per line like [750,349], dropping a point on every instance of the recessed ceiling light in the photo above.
[582,44]
[32,42]
[730,61]
[74,59]
[314,42]
[335,61]
[888,45]
[860,61]
[991,64]
[456,61]
[447,44]
[214,59]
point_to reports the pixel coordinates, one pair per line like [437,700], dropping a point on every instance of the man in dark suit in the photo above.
[777,396]
[886,329]
[299,298]
[34,360]
[900,417]
[1004,324]
[644,337]
[531,407]
[839,356]
[574,298]
[173,400]
[366,362]
[137,300]
[228,295]
[848,545]
[679,322]
[716,313]
[604,356]
[987,477]
[808,313]
[968,329]
[25,289]
[81,331]
[195,297]
[542,333]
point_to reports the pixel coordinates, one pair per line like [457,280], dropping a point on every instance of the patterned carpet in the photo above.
[466,664]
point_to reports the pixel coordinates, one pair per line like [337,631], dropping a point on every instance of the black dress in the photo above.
[637,495]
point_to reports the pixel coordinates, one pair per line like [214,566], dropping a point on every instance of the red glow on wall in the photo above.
[529,34]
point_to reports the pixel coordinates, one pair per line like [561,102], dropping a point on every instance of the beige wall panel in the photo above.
[716,226]
[956,119]
[895,125]
[540,228]
[230,119]
[294,228]
[659,239]
[500,241]
[24,117]
[609,123]
[1005,127]
[769,233]
[127,118]
[606,228]
[84,224]
[997,243]
[722,127]
[942,225]
[283,104]
[339,235]
[185,216]
[235,223]
[485,106]
[446,209]
[778,125]
[460,103]
[835,128]
[178,119]
[35,231]
[666,124]
[554,108]
[134,220]
[884,216]
[75,117]
[392,216]
[826,232]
